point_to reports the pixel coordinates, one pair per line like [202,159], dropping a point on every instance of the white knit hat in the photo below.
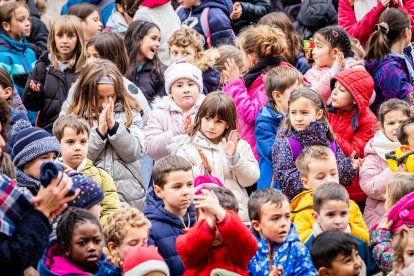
[182,70]
[140,260]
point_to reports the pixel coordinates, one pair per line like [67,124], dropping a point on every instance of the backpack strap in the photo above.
[205,27]
[104,4]
[295,147]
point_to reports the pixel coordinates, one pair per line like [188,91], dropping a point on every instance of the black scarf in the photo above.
[261,67]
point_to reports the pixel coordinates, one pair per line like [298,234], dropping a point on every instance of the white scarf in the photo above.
[382,145]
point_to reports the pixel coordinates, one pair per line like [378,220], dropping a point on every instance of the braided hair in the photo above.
[337,37]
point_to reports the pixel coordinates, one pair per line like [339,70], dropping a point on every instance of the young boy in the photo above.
[169,207]
[125,228]
[219,239]
[279,83]
[186,44]
[336,253]
[277,240]
[331,212]
[73,135]
[317,164]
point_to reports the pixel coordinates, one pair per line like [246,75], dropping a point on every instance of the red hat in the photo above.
[140,260]
[206,182]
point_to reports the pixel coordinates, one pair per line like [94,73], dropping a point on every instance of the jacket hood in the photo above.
[269,116]
[317,13]
[380,145]
[372,66]
[292,237]
[302,201]
[225,5]
[9,45]
[154,210]
[167,103]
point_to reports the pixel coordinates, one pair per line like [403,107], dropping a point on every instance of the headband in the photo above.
[106,80]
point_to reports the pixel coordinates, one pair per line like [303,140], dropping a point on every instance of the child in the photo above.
[262,48]
[169,207]
[55,72]
[171,115]
[317,165]
[72,133]
[213,147]
[402,159]
[210,19]
[89,17]
[279,83]
[277,240]
[105,8]
[142,41]
[120,19]
[351,119]
[78,247]
[332,53]
[306,125]
[226,52]
[125,229]
[32,146]
[334,252]
[186,44]
[144,260]
[389,60]
[219,239]
[116,138]
[403,248]
[294,52]
[374,172]
[331,212]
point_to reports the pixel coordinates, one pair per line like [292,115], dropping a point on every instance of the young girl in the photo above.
[55,72]
[390,60]
[375,173]
[116,139]
[213,147]
[15,55]
[120,18]
[306,122]
[77,249]
[294,52]
[226,52]
[399,195]
[142,41]
[332,53]
[262,48]
[403,256]
[90,18]
[171,115]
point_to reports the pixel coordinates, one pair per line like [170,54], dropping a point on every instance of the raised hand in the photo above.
[102,121]
[340,60]
[356,163]
[35,86]
[237,11]
[207,165]
[209,203]
[386,3]
[110,120]
[187,122]
[276,271]
[384,223]
[231,72]
[230,145]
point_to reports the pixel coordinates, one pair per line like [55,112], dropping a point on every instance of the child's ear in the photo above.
[305,183]
[277,96]
[315,215]
[113,249]
[158,191]
[5,26]
[199,55]
[8,91]
[323,271]
[319,114]
[256,225]
[119,8]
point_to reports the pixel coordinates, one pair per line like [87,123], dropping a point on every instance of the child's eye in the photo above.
[97,241]
[84,141]
[343,214]
[82,243]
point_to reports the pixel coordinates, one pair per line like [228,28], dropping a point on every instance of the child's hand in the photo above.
[231,72]
[210,219]
[384,223]
[402,168]
[276,271]
[209,202]
[237,11]
[35,86]
[230,145]
[186,122]
[206,163]
[385,3]
[115,261]
[110,120]
[102,121]
[340,60]
[356,163]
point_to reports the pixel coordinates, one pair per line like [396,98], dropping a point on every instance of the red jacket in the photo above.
[354,129]
[200,258]
[362,29]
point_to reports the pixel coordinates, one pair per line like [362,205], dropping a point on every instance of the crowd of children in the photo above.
[207,137]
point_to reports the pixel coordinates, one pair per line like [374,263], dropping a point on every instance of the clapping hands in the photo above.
[210,207]
[106,118]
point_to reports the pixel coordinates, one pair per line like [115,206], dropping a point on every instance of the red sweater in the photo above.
[200,258]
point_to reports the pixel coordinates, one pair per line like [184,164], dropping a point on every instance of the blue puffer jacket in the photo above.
[105,13]
[293,256]
[165,229]
[302,64]
[266,126]
[218,20]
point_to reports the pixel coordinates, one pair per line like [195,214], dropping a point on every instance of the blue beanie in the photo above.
[31,142]
[90,195]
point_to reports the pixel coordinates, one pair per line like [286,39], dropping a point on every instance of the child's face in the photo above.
[150,45]
[322,53]
[86,246]
[96,210]
[5,93]
[213,128]
[409,252]
[392,121]
[105,92]
[135,236]
[344,265]
[188,54]
[92,54]
[274,222]
[74,147]
[19,26]
[302,112]
[65,44]
[185,93]
[32,168]
[342,99]
[281,100]
[177,192]
[409,131]
[321,171]
[333,215]
[92,25]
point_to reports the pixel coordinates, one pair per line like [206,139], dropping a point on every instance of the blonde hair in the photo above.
[68,24]
[116,223]
[401,239]
[312,154]
[399,186]
[185,37]
[85,95]
[226,52]
[262,40]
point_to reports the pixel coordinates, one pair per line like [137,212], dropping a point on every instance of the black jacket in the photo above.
[38,31]
[252,11]
[54,89]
